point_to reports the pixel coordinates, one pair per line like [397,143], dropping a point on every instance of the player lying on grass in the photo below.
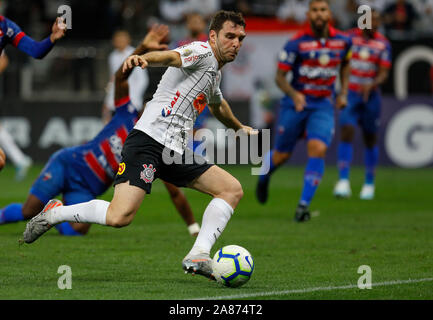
[84,172]
[10,33]
[190,82]
[370,65]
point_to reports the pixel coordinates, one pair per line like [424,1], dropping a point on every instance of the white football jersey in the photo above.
[181,96]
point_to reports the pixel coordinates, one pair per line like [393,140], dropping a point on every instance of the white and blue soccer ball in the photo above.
[232,266]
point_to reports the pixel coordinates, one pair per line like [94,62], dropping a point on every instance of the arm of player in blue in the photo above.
[36,49]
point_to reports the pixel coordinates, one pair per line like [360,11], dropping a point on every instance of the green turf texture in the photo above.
[392,234]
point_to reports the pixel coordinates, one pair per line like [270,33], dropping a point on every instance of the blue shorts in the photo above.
[316,121]
[59,177]
[202,118]
[366,114]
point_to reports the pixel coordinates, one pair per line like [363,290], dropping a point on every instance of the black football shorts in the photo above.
[143,162]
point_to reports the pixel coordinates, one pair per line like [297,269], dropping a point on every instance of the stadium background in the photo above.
[56,102]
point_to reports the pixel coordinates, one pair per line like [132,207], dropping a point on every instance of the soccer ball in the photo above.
[232,266]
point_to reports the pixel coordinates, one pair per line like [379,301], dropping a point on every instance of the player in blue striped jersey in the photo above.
[84,172]
[315,56]
[370,65]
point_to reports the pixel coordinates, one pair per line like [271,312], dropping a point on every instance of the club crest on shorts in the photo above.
[122,167]
[148,173]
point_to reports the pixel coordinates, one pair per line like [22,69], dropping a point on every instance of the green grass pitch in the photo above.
[316,260]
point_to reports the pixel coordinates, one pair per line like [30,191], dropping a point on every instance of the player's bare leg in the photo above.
[226,192]
[275,159]
[280,158]
[345,153]
[15,212]
[316,150]
[119,213]
[124,205]
[32,207]
[82,228]
[182,205]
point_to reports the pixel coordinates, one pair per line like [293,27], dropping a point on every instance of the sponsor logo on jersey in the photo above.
[336,44]
[10,32]
[122,167]
[47,176]
[364,53]
[314,72]
[166,111]
[307,46]
[324,59]
[116,145]
[197,57]
[186,52]
[148,173]
[200,102]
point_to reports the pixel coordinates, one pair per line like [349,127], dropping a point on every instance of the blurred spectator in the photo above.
[293,11]
[138,80]
[378,5]
[172,11]
[425,21]
[204,7]
[229,5]
[400,16]
[261,8]
[344,13]
[196,26]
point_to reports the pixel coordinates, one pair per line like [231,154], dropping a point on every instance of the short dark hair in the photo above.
[222,16]
[311,1]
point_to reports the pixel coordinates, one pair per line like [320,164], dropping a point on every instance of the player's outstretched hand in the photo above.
[341,101]
[250,131]
[366,90]
[58,30]
[134,61]
[155,36]
[299,101]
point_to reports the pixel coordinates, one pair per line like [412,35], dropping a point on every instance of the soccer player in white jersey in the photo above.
[190,82]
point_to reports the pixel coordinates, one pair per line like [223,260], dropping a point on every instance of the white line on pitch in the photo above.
[286,292]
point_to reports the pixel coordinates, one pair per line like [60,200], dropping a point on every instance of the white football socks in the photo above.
[94,211]
[215,218]
[12,151]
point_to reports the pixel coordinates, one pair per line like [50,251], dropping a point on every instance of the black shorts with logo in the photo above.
[143,162]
